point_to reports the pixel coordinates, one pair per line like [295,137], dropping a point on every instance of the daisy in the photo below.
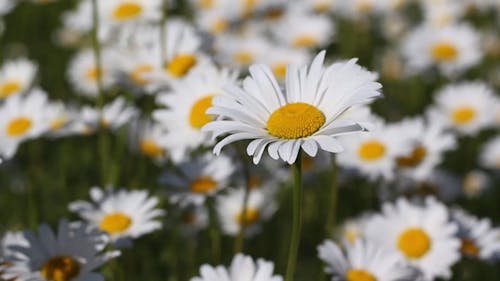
[116,114]
[60,117]
[6,6]
[374,153]
[241,50]
[10,240]
[278,58]
[442,13]
[194,219]
[122,214]
[119,12]
[137,66]
[71,254]
[452,48]
[309,115]
[148,141]
[490,154]
[475,183]
[22,118]
[352,230]
[428,141]
[242,268]
[83,73]
[479,239]
[203,176]
[86,121]
[16,76]
[421,234]
[467,107]
[232,216]
[364,261]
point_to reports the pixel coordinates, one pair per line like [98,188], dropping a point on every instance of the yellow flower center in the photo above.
[469,247]
[279,70]
[295,121]
[60,268]
[322,7]
[463,115]
[244,57]
[181,64]
[150,148]
[414,158]
[114,223]
[219,26]
[365,6]
[203,184]
[93,73]
[274,13]
[197,117]
[206,4]
[9,87]
[359,275]
[351,236]
[250,217]
[371,150]
[414,243]
[304,41]
[444,52]
[19,126]
[57,123]
[249,6]
[137,74]
[127,10]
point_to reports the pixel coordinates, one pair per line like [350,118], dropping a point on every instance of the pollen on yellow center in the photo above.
[93,73]
[463,115]
[414,243]
[371,150]
[359,275]
[61,268]
[9,87]
[279,70]
[304,41]
[244,57]
[295,121]
[414,158]
[444,52]
[181,64]
[203,184]
[219,26]
[249,217]
[150,148]
[470,248]
[115,223]
[137,74]
[19,126]
[197,116]
[127,10]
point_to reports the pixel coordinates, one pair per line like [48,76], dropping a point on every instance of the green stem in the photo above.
[214,231]
[240,239]
[331,218]
[297,218]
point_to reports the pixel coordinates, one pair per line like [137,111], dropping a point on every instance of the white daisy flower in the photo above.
[10,240]
[365,261]
[118,12]
[475,183]
[186,105]
[22,118]
[428,140]
[137,66]
[357,9]
[279,58]
[148,141]
[6,6]
[374,153]
[60,117]
[242,268]
[442,13]
[203,176]
[70,255]
[352,230]
[452,48]
[490,154]
[16,76]
[241,50]
[194,219]
[117,113]
[214,21]
[83,73]
[310,114]
[122,214]
[232,216]
[467,107]
[86,121]
[422,235]
[479,239]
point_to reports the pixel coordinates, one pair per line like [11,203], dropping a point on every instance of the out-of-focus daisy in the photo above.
[441,13]
[137,66]
[60,117]
[241,50]
[232,216]
[193,219]
[452,49]
[309,115]
[490,154]
[22,118]
[467,107]
[475,183]
[374,153]
[186,105]
[479,239]
[352,230]
[278,58]
[9,240]
[364,261]
[86,121]
[428,141]
[422,235]
[70,255]
[203,176]
[6,6]
[148,141]
[116,114]
[242,268]
[83,72]
[122,214]
[16,76]
[119,12]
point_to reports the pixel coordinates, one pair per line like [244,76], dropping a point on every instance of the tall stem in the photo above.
[297,219]
[214,231]
[240,239]
[331,218]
